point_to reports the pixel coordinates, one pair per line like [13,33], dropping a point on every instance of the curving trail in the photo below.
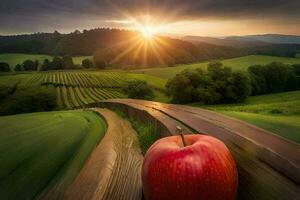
[113,170]
[269,166]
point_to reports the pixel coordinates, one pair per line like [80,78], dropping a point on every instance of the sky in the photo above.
[215,18]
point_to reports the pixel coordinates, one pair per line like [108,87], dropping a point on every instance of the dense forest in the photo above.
[112,46]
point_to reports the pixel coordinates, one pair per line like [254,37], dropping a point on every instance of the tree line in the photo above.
[220,84]
[57,63]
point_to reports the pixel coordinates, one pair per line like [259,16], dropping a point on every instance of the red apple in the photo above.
[189,167]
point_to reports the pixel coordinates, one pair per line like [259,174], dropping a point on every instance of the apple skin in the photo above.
[202,170]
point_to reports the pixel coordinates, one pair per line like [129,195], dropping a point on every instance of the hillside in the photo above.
[42,150]
[270,38]
[116,46]
[278,113]
[240,63]
[129,48]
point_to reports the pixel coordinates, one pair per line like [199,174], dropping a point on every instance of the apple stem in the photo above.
[182,138]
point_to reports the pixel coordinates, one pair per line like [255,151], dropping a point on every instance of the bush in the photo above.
[67,62]
[6,91]
[19,67]
[35,99]
[29,65]
[217,85]
[87,63]
[4,67]
[138,90]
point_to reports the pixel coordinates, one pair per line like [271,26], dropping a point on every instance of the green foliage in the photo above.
[147,132]
[42,150]
[29,65]
[57,63]
[273,77]
[6,90]
[87,63]
[296,69]
[4,67]
[216,85]
[138,90]
[19,67]
[67,62]
[34,99]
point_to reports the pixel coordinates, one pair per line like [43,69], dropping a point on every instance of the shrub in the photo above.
[4,67]
[29,65]
[67,62]
[57,63]
[6,91]
[35,99]
[19,67]
[138,90]
[87,63]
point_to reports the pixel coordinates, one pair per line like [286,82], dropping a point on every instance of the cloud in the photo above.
[32,14]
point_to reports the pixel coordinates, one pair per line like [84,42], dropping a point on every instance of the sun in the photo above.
[148,32]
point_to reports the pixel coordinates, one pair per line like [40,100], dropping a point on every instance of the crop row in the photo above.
[84,79]
[76,97]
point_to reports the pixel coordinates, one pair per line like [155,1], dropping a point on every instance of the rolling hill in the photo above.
[42,150]
[278,113]
[240,63]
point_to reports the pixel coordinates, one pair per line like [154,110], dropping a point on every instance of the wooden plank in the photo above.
[268,165]
[113,171]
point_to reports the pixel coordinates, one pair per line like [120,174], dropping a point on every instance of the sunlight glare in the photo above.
[147,31]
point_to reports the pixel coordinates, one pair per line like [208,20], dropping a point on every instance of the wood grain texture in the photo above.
[269,166]
[113,171]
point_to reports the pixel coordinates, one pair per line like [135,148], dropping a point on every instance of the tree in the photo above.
[87,63]
[216,85]
[4,67]
[30,65]
[46,65]
[182,83]
[276,75]
[138,90]
[238,88]
[67,62]
[19,67]
[296,69]
[273,77]
[57,63]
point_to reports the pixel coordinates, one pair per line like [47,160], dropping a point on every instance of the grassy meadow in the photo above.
[14,58]
[240,63]
[42,150]
[278,113]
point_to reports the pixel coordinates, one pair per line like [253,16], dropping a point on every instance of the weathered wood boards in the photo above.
[113,171]
[269,165]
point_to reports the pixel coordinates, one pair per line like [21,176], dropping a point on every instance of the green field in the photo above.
[13,58]
[76,89]
[42,150]
[241,63]
[278,113]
